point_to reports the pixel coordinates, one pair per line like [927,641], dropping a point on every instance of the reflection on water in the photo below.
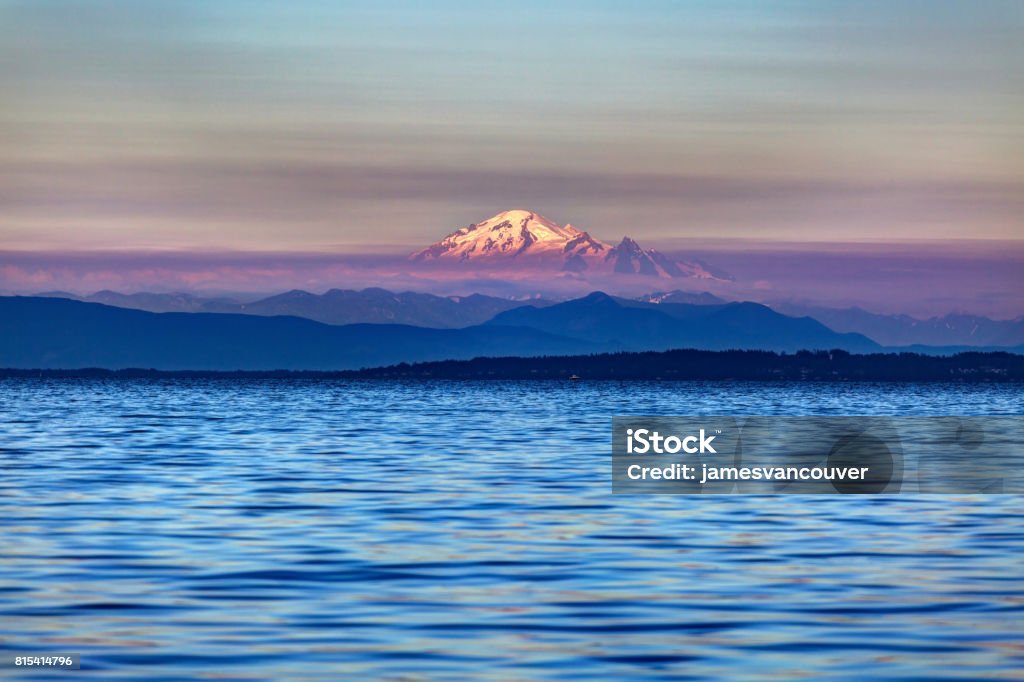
[330,530]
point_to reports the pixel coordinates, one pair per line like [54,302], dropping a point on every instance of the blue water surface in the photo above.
[330,530]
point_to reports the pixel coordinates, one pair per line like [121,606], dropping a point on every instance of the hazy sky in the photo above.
[286,125]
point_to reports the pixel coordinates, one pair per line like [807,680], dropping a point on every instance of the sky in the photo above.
[359,127]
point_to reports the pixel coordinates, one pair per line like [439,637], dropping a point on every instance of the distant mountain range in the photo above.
[526,241]
[888,330]
[378,306]
[336,306]
[637,325]
[677,296]
[37,332]
[62,333]
[903,330]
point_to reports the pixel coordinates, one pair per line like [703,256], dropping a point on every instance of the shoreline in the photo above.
[668,366]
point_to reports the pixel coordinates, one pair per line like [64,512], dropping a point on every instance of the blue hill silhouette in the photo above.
[633,325]
[62,333]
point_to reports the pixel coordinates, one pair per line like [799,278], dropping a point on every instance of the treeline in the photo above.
[833,365]
[836,365]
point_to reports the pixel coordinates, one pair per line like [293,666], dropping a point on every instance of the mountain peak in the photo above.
[520,214]
[597,297]
[628,258]
[523,240]
[629,244]
[515,233]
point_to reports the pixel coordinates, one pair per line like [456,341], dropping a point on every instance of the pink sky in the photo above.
[212,145]
[921,279]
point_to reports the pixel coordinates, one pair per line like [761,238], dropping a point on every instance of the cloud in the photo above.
[924,281]
[299,125]
[304,205]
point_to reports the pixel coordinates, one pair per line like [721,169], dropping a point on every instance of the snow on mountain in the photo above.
[526,239]
[519,234]
[678,296]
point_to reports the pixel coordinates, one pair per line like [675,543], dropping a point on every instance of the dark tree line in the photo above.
[836,365]
[833,365]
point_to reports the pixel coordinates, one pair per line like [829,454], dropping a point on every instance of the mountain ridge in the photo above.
[639,326]
[60,333]
[905,330]
[381,306]
[335,306]
[527,240]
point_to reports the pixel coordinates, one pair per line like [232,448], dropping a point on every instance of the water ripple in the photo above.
[321,530]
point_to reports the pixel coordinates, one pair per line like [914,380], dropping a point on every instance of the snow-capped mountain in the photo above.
[518,234]
[525,240]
